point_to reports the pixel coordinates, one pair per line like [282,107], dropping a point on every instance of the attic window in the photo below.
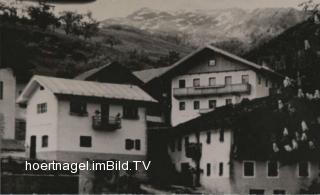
[212,62]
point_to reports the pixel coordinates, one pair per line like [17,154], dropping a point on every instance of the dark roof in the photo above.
[12,145]
[149,74]
[163,71]
[257,124]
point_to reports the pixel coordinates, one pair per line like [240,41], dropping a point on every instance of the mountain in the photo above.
[295,52]
[226,27]
[29,50]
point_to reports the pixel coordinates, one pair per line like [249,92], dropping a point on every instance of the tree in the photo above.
[42,15]
[71,22]
[90,26]
[111,41]
[8,13]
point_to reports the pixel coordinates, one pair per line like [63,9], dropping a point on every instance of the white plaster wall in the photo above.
[71,127]
[179,116]
[212,153]
[7,104]
[287,180]
[42,124]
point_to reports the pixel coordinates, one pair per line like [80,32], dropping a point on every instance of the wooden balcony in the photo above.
[242,88]
[106,123]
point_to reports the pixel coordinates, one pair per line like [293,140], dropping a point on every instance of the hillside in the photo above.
[31,51]
[294,52]
[229,28]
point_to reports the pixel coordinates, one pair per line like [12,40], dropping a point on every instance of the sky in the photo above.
[103,9]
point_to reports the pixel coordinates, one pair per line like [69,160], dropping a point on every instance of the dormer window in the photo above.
[212,62]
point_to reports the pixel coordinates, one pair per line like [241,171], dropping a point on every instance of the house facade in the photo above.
[205,79]
[237,159]
[71,120]
[7,101]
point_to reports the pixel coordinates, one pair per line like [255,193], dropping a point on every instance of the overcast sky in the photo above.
[103,9]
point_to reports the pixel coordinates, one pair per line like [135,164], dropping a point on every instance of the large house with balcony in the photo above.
[72,120]
[254,147]
[206,79]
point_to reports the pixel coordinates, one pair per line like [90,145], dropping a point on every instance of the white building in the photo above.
[211,77]
[72,120]
[233,158]
[7,101]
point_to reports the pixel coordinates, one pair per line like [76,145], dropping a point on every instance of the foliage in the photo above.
[111,40]
[71,21]
[90,27]
[42,15]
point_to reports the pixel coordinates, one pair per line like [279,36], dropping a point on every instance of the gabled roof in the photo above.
[149,74]
[60,86]
[219,51]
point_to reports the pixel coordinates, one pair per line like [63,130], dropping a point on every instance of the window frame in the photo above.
[1,90]
[208,170]
[180,82]
[126,145]
[221,135]
[212,64]
[78,112]
[208,139]
[182,104]
[276,191]
[41,109]
[267,169]
[137,144]
[194,105]
[81,141]
[243,169]
[242,78]
[214,79]
[45,141]
[196,82]
[130,112]
[225,80]
[308,169]
[215,104]
[230,101]
[221,169]
[259,80]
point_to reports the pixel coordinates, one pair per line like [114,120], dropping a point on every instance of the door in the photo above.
[33,146]
[104,114]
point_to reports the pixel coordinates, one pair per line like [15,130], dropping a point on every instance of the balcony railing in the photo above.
[212,90]
[106,123]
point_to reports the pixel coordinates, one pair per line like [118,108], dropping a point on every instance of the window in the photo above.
[41,88]
[259,79]
[245,79]
[182,83]
[221,135]
[212,81]
[196,105]
[42,108]
[208,137]
[212,104]
[45,141]
[272,169]
[248,169]
[228,101]
[212,62]
[303,169]
[179,144]
[196,82]
[208,169]
[282,192]
[130,112]
[134,144]
[182,106]
[137,144]
[85,141]
[228,80]
[256,191]
[129,145]
[1,90]
[221,169]
[78,107]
